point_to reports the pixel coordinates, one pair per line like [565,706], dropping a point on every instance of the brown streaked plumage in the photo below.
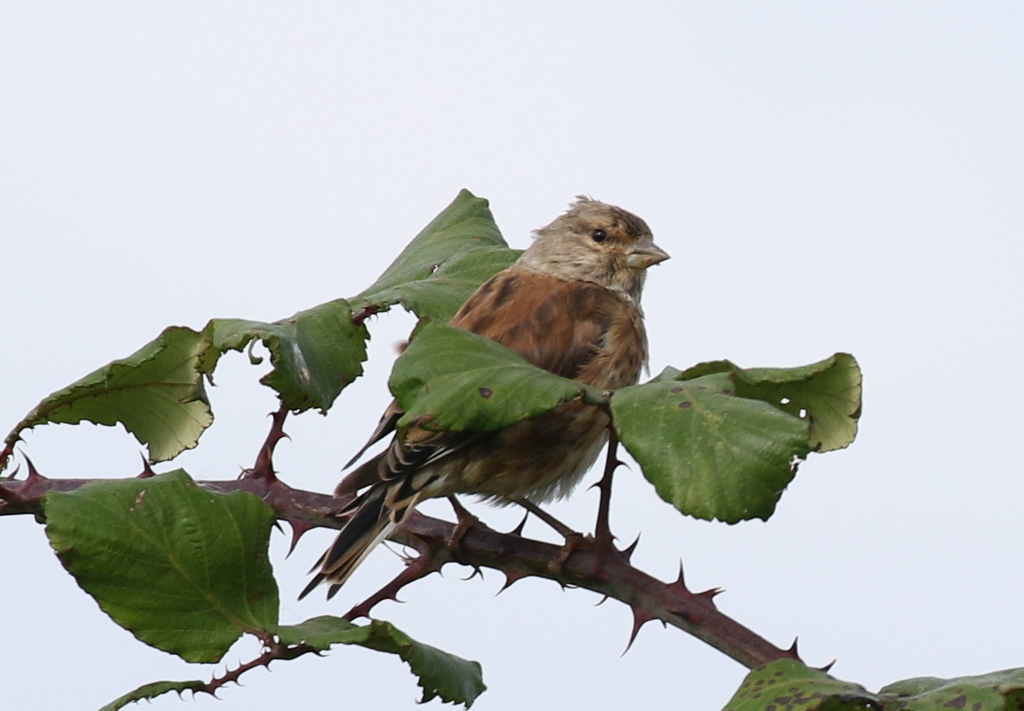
[571,305]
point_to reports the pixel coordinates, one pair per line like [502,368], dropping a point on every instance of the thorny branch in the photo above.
[594,566]
[272,651]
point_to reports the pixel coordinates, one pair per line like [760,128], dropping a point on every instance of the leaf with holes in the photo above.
[156,393]
[185,570]
[315,354]
[827,394]
[987,692]
[453,380]
[440,674]
[708,452]
[788,684]
[445,263]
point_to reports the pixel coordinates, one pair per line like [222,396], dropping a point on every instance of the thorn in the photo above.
[511,577]
[33,475]
[792,649]
[299,527]
[366,313]
[640,618]
[710,594]
[147,471]
[364,608]
[680,583]
[518,530]
[827,667]
[477,570]
[628,552]
[603,600]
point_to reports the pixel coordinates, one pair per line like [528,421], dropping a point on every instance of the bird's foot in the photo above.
[599,544]
[464,522]
[573,542]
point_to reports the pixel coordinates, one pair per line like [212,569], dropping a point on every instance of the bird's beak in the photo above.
[646,254]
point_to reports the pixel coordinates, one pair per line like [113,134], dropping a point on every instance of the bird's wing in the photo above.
[553,323]
[386,426]
[419,448]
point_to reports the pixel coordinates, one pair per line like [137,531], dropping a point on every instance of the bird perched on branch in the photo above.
[571,305]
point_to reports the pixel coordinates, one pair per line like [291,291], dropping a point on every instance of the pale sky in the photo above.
[827,177]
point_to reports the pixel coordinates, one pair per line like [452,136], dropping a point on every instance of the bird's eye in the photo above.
[598,235]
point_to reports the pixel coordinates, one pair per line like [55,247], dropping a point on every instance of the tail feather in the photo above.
[369,525]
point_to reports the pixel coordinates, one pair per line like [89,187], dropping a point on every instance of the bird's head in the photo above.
[596,242]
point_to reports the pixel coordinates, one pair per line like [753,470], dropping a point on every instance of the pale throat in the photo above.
[626,282]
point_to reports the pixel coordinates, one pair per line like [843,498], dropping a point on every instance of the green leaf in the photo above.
[718,441]
[826,393]
[151,691]
[315,353]
[987,692]
[321,633]
[452,380]
[453,679]
[788,684]
[445,263]
[185,570]
[156,393]
[708,452]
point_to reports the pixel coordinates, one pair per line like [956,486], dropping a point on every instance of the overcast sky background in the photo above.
[827,177]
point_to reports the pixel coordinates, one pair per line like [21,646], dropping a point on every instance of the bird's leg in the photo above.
[603,538]
[566,532]
[465,521]
[574,540]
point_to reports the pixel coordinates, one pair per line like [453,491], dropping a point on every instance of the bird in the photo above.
[570,304]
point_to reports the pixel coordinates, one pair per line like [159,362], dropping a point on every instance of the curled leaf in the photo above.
[709,453]
[156,393]
[722,442]
[315,353]
[827,394]
[440,674]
